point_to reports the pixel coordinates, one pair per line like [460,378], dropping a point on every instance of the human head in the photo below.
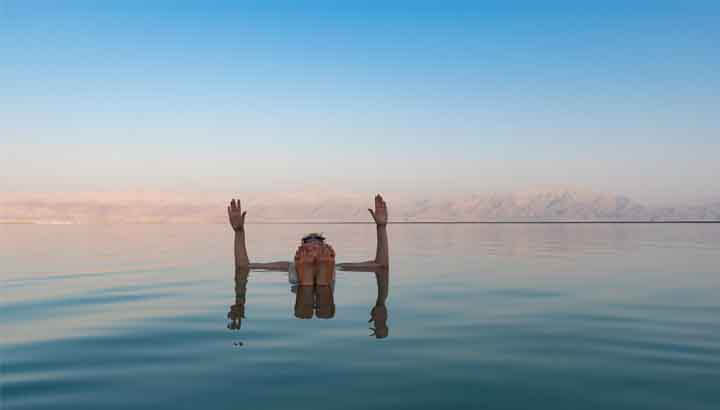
[313,237]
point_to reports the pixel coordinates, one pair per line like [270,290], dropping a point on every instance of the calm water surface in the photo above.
[478,316]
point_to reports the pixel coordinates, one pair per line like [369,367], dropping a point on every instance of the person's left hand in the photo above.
[236,216]
[380,214]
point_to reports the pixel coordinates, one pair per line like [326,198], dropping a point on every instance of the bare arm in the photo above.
[237,221]
[274,266]
[380,215]
[382,252]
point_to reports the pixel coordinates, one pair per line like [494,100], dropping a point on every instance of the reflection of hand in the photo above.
[236,216]
[236,315]
[378,313]
[380,214]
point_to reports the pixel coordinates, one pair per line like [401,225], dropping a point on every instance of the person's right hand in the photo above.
[380,214]
[236,215]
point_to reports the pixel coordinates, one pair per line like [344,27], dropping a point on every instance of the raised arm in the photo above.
[237,221]
[380,215]
[382,254]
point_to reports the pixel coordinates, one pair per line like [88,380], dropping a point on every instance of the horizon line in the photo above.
[689,221]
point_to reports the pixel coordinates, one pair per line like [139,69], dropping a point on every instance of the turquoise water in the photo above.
[478,316]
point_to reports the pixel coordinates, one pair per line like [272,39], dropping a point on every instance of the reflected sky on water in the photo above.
[469,316]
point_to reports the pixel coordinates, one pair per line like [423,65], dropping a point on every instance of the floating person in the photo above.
[314,260]
[313,271]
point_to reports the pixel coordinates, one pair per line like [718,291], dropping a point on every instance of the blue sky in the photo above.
[426,96]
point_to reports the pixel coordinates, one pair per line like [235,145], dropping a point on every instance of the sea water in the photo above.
[517,316]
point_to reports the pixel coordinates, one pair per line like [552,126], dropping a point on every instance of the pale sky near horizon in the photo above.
[618,97]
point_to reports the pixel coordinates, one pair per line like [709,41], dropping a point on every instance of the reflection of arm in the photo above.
[241,279]
[237,311]
[379,313]
[383,278]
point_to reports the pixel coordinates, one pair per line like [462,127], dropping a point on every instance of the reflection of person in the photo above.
[324,302]
[316,301]
[304,302]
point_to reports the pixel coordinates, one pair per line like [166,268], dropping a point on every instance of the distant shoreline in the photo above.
[389,223]
[488,222]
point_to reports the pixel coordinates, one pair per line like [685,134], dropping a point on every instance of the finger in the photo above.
[228,210]
[372,213]
[243,215]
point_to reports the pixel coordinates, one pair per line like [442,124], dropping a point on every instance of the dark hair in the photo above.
[313,236]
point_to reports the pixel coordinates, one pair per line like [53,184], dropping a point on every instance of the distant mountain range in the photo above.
[143,207]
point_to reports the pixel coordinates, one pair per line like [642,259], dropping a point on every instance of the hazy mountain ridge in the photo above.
[566,204]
